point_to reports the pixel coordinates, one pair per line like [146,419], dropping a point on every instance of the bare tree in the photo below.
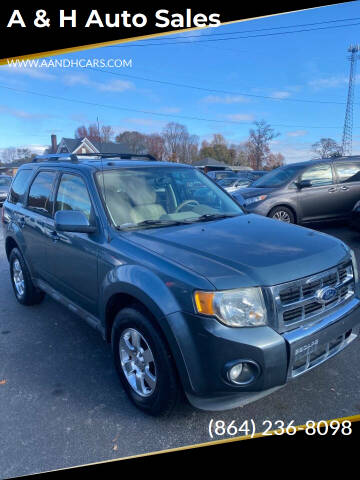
[258,144]
[179,145]
[326,147]
[274,160]
[9,154]
[135,141]
[93,133]
[155,146]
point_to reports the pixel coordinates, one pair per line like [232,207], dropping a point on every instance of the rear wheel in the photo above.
[144,363]
[25,291]
[283,214]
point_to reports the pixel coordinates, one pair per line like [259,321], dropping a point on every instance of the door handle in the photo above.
[344,188]
[332,190]
[54,236]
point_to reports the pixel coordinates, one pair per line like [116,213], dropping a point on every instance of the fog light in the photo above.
[243,373]
[235,372]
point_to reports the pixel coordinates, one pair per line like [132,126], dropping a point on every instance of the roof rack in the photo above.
[76,157]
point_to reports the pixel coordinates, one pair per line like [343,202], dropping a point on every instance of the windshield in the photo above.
[5,181]
[162,196]
[278,177]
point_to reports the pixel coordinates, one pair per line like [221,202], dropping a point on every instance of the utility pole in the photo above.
[349,114]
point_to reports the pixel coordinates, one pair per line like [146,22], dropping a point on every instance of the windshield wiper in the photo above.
[207,217]
[149,223]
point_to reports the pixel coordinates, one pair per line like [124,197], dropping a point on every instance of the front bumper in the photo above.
[206,346]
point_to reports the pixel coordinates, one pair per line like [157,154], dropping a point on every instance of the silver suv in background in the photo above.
[305,192]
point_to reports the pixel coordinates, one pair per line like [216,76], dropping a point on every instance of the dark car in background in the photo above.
[305,192]
[5,182]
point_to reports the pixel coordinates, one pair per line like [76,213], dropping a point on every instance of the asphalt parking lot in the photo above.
[62,405]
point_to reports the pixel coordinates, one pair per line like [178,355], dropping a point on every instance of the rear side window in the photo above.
[19,186]
[40,193]
[348,172]
[319,175]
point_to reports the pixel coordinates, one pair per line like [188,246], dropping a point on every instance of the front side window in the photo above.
[19,186]
[318,175]
[139,197]
[348,172]
[73,195]
[40,192]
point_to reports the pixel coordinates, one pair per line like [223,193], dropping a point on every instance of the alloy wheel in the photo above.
[137,362]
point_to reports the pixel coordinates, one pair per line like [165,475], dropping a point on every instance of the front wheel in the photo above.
[283,214]
[25,291]
[144,363]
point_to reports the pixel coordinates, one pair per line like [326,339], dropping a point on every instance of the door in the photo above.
[320,200]
[36,222]
[348,178]
[73,257]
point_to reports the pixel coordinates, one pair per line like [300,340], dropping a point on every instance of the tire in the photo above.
[150,380]
[282,214]
[25,291]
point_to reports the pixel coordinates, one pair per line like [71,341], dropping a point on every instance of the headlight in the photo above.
[243,307]
[356,273]
[259,198]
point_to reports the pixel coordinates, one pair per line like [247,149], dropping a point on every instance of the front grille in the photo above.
[297,302]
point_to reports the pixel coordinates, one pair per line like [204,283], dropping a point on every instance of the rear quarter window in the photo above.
[19,186]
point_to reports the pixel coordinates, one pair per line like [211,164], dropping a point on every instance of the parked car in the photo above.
[5,182]
[355,217]
[306,192]
[217,175]
[232,184]
[193,296]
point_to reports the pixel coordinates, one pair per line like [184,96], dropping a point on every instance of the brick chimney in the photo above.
[53,143]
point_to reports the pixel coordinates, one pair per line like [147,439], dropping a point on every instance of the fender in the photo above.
[142,284]
[14,233]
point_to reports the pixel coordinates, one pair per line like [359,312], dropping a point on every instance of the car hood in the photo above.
[253,192]
[248,250]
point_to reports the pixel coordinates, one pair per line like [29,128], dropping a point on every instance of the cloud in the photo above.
[227,99]
[20,113]
[241,117]
[297,133]
[280,94]
[32,72]
[80,79]
[328,82]
[169,110]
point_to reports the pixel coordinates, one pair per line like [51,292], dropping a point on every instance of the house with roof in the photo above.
[84,145]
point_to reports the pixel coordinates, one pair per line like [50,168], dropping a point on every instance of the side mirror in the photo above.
[304,184]
[72,221]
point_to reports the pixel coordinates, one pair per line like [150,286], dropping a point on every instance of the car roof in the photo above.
[350,158]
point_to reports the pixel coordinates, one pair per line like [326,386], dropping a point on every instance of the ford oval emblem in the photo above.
[326,294]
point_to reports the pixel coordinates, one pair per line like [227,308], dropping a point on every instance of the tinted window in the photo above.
[319,175]
[19,186]
[40,192]
[73,195]
[348,172]
[278,177]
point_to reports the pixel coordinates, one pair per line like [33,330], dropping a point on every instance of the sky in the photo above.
[228,80]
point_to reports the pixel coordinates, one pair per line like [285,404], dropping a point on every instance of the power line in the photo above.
[232,38]
[270,28]
[213,90]
[149,112]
